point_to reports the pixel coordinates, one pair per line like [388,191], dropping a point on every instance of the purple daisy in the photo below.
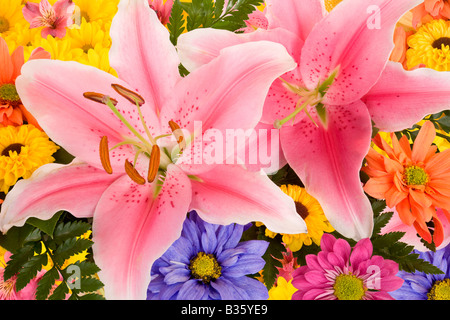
[208,262]
[422,286]
[339,272]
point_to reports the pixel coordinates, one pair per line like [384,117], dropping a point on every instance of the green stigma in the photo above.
[205,267]
[415,176]
[9,93]
[4,24]
[349,287]
[440,290]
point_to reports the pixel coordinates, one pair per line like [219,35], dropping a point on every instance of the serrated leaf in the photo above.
[14,239]
[29,270]
[92,296]
[87,268]
[64,231]
[176,22]
[387,240]
[17,260]
[69,248]
[412,263]
[381,221]
[46,283]
[90,285]
[60,292]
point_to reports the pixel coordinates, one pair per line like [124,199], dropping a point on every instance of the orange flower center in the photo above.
[4,25]
[415,176]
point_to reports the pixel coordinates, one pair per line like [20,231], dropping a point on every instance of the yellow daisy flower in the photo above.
[23,149]
[97,57]
[88,35]
[24,37]
[311,211]
[430,46]
[283,290]
[11,16]
[95,10]
[59,49]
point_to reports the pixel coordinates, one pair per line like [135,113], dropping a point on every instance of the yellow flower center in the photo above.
[415,176]
[205,267]
[8,91]
[349,287]
[4,24]
[440,290]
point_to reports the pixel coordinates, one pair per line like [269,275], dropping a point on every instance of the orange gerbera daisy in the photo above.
[415,181]
[12,112]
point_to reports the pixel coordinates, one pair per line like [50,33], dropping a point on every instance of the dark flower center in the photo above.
[437,44]
[9,93]
[4,25]
[301,210]
[17,147]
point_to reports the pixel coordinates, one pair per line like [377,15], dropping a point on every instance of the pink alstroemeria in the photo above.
[135,221]
[343,81]
[162,8]
[54,18]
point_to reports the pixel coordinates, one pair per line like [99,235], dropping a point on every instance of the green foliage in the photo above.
[209,14]
[54,241]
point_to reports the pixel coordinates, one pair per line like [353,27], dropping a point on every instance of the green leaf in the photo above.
[90,285]
[381,221]
[15,238]
[29,270]
[60,292]
[176,22]
[274,251]
[412,263]
[64,231]
[17,260]
[91,296]
[69,248]
[46,283]
[47,226]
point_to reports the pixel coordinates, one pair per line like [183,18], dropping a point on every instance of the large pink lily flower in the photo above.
[324,108]
[135,219]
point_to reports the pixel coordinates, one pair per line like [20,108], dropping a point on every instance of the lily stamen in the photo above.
[153,167]
[104,155]
[131,96]
[98,97]
[133,173]
[178,133]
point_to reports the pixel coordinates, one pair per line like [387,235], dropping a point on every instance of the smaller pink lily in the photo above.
[162,8]
[54,18]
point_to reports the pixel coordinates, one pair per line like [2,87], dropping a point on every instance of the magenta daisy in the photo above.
[340,272]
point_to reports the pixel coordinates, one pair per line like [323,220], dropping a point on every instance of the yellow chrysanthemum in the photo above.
[59,49]
[25,37]
[23,149]
[95,10]
[11,16]
[97,57]
[311,211]
[283,290]
[89,34]
[430,46]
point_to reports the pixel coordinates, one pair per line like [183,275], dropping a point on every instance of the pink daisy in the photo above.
[340,272]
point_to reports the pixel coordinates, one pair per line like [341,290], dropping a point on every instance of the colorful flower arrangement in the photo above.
[224,150]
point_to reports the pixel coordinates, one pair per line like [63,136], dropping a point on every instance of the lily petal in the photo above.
[73,121]
[132,229]
[241,88]
[359,44]
[230,194]
[328,162]
[76,188]
[142,54]
[296,16]
[402,98]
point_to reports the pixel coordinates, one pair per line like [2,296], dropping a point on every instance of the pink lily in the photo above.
[135,221]
[54,18]
[343,81]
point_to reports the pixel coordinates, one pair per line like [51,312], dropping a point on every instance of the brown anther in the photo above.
[133,174]
[99,98]
[153,167]
[131,96]
[104,155]
[178,133]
